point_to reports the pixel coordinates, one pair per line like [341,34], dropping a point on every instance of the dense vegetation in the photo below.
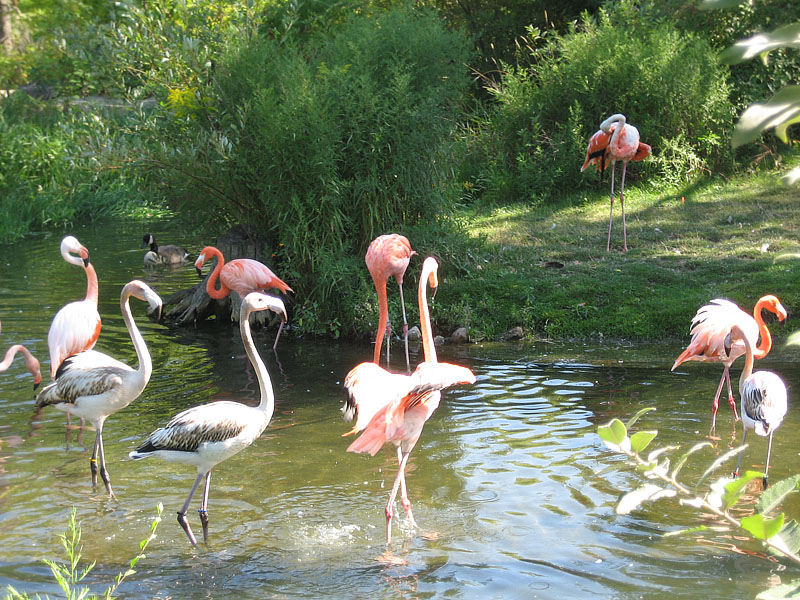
[324,124]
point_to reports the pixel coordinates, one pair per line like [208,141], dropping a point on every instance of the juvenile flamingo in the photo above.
[394,408]
[763,397]
[94,386]
[388,256]
[166,255]
[615,141]
[710,327]
[242,275]
[206,435]
[76,326]
[31,363]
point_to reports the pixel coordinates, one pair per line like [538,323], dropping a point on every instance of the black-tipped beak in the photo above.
[199,272]
[727,345]
[36,385]
[86,262]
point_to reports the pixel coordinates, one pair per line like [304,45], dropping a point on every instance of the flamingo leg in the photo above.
[766,467]
[278,335]
[739,462]
[405,327]
[731,399]
[102,461]
[93,459]
[392,496]
[404,494]
[182,512]
[204,507]
[622,205]
[715,403]
[611,209]
[388,341]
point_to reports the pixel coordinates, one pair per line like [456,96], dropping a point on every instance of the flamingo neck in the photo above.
[748,362]
[765,345]
[267,403]
[606,126]
[383,319]
[73,260]
[142,353]
[11,353]
[223,291]
[424,313]
[91,283]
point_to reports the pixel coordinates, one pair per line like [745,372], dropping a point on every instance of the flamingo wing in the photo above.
[597,151]
[369,388]
[245,275]
[83,375]
[764,401]
[388,256]
[75,328]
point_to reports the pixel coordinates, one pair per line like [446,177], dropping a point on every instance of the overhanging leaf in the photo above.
[719,462]
[638,416]
[630,501]
[781,592]
[791,177]
[776,493]
[685,531]
[785,36]
[761,527]
[658,451]
[641,440]
[614,435]
[794,339]
[788,538]
[710,4]
[782,108]
[682,460]
[735,489]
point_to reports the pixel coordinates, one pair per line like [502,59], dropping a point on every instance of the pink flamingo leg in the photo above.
[715,403]
[392,496]
[404,494]
[622,205]
[731,399]
[388,341]
[611,210]
[278,335]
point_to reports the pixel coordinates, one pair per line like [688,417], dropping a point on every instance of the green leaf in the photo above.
[641,440]
[631,501]
[711,4]
[761,527]
[718,463]
[776,493]
[685,531]
[788,538]
[638,416]
[781,592]
[614,435]
[735,489]
[783,108]
[785,36]
[682,460]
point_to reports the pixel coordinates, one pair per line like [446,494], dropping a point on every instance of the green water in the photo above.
[507,481]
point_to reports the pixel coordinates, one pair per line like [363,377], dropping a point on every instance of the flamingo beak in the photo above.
[727,345]
[199,272]
[36,384]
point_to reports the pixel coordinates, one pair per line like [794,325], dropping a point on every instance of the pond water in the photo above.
[511,485]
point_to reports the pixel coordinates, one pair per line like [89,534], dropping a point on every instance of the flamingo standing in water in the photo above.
[394,408]
[76,326]
[388,256]
[242,275]
[31,363]
[94,386]
[763,396]
[710,328]
[206,435]
[615,141]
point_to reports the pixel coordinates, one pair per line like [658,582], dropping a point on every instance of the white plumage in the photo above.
[205,435]
[93,385]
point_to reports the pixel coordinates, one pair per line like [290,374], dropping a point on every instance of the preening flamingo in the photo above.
[763,396]
[615,141]
[76,326]
[242,275]
[394,408]
[388,256]
[31,363]
[162,255]
[710,327]
[94,386]
[206,435]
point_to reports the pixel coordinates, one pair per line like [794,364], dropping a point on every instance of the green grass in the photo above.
[546,268]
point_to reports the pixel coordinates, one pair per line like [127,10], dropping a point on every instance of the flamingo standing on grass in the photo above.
[616,140]
[31,363]
[710,328]
[242,275]
[763,397]
[388,256]
[94,385]
[393,408]
[206,435]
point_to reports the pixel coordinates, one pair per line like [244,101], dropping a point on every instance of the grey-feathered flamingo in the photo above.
[763,397]
[94,386]
[205,435]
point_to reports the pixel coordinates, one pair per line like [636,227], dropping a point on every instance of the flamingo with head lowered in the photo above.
[710,328]
[242,275]
[94,385]
[616,140]
[393,408]
[31,363]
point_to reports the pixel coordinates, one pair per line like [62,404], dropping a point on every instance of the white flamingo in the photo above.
[763,398]
[93,385]
[205,435]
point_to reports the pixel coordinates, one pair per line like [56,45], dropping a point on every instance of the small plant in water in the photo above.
[781,537]
[69,575]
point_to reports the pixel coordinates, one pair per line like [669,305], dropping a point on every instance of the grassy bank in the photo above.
[546,269]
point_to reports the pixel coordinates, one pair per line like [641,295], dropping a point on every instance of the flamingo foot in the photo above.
[732,402]
[407,506]
[185,524]
[391,560]
[204,521]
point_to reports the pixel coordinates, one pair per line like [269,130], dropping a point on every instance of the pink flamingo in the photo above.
[30,362]
[615,141]
[388,256]
[242,275]
[710,328]
[393,408]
